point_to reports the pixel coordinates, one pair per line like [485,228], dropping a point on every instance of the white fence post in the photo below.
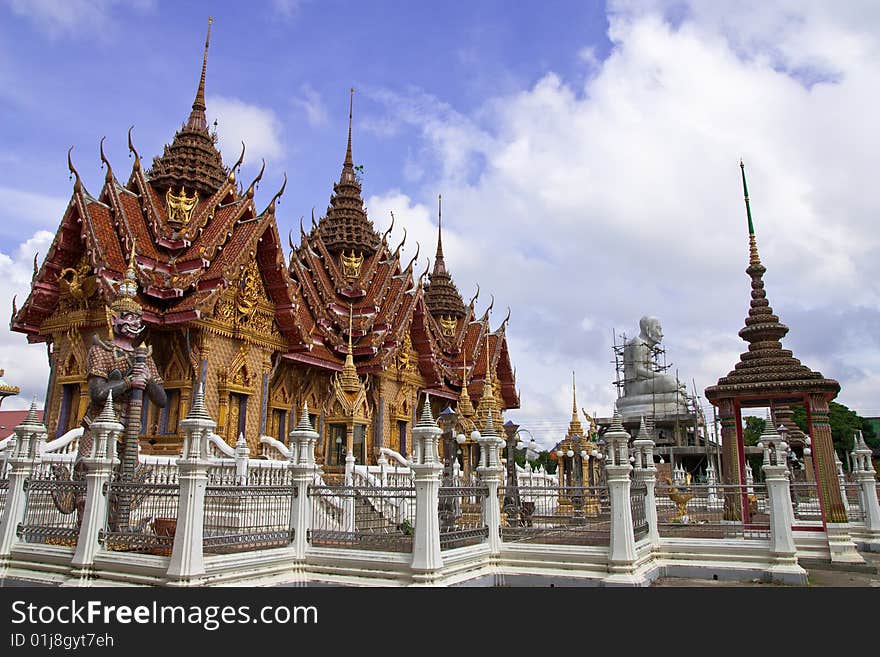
[783,552]
[99,468]
[622,552]
[187,558]
[490,471]
[647,474]
[866,477]
[242,455]
[302,465]
[24,457]
[427,467]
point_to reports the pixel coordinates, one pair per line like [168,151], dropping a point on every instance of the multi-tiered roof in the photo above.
[195,229]
[766,371]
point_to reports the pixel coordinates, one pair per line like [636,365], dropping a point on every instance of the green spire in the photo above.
[746,194]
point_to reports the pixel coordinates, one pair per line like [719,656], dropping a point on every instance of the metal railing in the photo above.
[637,494]
[252,517]
[574,515]
[853,496]
[152,520]
[805,502]
[363,517]
[460,512]
[54,505]
[712,511]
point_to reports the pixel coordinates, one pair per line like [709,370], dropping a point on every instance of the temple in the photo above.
[341,323]
[769,376]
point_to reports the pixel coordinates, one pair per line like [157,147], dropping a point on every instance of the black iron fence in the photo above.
[460,512]
[574,515]
[152,519]
[242,518]
[54,505]
[713,511]
[363,517]
[805,502]
[637,495]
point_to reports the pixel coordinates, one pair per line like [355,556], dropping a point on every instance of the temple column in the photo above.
[426,466]
[99,469]
[302,465]
[25,456]
[840,542]
[730,464]
[187,555]
[783,552]
[490,471]
[622,549]
[866,477]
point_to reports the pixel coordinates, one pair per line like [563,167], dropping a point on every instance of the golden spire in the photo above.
[128,288]
[349,380]
[574,426]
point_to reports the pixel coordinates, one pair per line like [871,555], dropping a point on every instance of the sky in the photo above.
[587,154]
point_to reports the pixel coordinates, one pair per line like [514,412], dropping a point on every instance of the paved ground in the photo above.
[819,575]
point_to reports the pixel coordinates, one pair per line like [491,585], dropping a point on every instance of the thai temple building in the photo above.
[341,323]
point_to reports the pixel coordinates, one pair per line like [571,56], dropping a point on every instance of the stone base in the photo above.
[787,573]
[633,408]
[841,545]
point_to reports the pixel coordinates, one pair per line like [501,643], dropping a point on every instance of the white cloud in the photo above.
[92,18]
[287,9]
[619,195]
[26,365]
[22,211]
[313,105]
[258,127]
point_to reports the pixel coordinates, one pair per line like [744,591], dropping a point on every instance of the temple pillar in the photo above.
[840,543]
[730,462]
[426,466]
[99,469]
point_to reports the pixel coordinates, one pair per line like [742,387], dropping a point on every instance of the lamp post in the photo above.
[512,505]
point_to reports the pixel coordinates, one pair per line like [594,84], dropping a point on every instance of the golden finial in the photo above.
[349,379]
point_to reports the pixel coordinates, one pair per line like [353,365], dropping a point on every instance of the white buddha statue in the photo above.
[645,389]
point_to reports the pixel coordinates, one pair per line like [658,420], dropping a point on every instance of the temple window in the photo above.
[359,441]
[170,414]
[279,423]
[66,416]
[337,444]
[401,432]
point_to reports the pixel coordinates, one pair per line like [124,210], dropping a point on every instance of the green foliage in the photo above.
[754,428]
[844,423]
[359,172]
[543,459]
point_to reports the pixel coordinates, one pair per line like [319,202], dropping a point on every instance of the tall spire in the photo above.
[754,258]
[197,119]
[349,379]
[349,161]
[441,295]
[346,226]
[766,368]
[439,262]
[465,407]
[574,426]
[191,163]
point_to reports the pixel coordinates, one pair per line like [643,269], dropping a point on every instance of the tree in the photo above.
[754,428]
[844,424]
[543,459]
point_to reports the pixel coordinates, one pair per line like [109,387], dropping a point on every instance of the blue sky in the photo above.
[587,154]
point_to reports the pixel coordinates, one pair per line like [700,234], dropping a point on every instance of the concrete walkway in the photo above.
[820,574]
